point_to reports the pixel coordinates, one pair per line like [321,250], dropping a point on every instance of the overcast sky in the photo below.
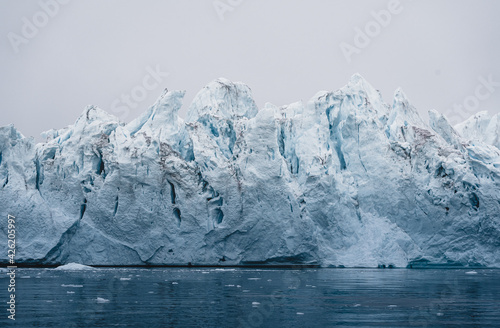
[55,61]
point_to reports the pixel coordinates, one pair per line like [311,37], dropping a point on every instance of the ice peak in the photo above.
[357,78]
[440,124]
[224,99]
[10,132]
[223,81]
[162,115]
[482,127]
[91,122]
[434,115]
[92,113]
[481,114]
[476,122]
[403,105]
[365,93]
[170,101]
[358,83]
[400,99]
[403,114]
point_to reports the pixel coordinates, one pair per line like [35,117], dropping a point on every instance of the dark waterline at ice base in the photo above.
[238,297]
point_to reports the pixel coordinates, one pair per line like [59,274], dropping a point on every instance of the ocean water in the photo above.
[240,297]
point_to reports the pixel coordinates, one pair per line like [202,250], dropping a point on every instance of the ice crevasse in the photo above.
[343,180]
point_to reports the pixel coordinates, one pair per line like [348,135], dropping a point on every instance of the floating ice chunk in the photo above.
[125,279]
[72,286]
[74,267]
[101,300]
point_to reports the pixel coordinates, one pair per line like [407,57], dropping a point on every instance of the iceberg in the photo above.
[74,267]
[344,180]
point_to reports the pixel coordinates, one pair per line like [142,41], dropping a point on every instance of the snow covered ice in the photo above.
[343,180]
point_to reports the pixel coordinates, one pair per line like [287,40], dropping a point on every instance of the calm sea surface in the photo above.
[194,297]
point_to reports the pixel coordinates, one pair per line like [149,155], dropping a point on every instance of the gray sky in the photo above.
[98,52]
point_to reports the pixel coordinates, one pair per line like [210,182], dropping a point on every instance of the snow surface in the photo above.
[343,180]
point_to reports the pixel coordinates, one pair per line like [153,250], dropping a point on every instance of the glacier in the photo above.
[344,180]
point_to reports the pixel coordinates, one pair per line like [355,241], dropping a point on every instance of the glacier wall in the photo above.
[344,180]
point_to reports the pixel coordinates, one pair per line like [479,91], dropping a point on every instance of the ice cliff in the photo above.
[344,180]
